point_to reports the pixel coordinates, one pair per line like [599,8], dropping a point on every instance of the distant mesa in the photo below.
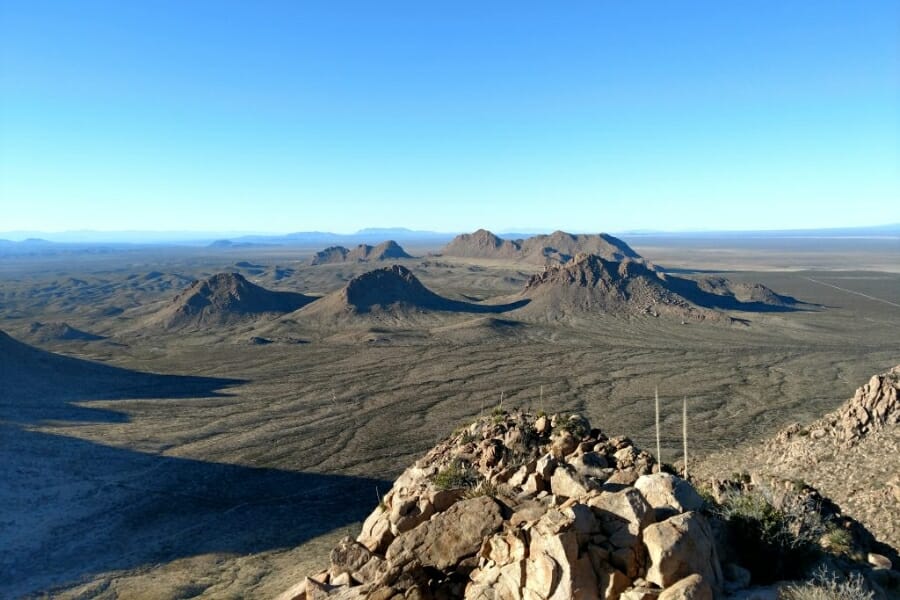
[225,298]
[389,250]
[556,248]
[393,290]
[59,332]
[592,284]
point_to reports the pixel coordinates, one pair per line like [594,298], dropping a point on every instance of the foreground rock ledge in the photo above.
[532,507]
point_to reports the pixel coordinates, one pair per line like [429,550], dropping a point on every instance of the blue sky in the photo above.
[593,116]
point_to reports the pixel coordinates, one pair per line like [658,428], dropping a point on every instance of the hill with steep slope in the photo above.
[59,331]
[225,298]
[362,253]
[591,284]
[391,291]
[557,247]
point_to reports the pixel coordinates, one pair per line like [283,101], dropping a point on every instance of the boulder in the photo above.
[662,490]
[565,482]
[692,587]
[450,536]
[680,546]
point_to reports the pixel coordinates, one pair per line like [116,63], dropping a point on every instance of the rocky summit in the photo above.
[522,506]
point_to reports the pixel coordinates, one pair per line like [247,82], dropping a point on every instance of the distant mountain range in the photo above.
[16,242]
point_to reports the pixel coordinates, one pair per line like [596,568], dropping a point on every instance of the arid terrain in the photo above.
[161,438]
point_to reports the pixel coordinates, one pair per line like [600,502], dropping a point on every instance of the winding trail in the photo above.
[852,292]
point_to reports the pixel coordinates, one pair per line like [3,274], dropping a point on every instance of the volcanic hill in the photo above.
[591,284]
[557,247]
[393,291]
[59,331]
[362,253]
[223,299]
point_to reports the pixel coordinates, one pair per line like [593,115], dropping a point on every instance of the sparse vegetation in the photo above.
[838,540]
[774,543]
[573,424]
[454,476]
[829,586]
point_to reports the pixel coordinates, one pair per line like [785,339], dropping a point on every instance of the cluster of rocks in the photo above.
[530,507]
[874,407]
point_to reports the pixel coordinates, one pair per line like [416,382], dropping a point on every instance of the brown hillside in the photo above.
[558,247]
[591,284]
[225,298]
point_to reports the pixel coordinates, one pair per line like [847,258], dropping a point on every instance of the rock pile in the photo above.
[874,407]
[531,507]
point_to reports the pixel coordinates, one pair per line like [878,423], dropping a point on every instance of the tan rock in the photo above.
[450,536]
[563,444]
[692,587]
[376,531]
[680,546]
[622,515]
[663,490]
[567,483]
[879,561]
[407,513]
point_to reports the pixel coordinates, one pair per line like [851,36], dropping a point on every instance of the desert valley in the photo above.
[187,421]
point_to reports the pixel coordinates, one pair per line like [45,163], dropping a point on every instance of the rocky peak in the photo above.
[518,505]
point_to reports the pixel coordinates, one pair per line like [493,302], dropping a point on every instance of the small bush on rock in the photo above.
[454,476]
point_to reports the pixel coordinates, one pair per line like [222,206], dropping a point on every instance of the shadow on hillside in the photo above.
[71,508]
[690,290]
[37,385]
[74,509]
[469,307]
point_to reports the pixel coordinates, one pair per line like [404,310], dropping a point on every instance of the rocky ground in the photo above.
[852,455]
[522,506]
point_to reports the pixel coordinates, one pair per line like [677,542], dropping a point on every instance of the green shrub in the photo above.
[454,476]
[838,540]
[774,544]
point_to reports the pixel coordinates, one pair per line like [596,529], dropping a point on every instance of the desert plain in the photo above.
[150,457]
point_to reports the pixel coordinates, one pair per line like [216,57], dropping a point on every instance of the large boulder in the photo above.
[692,587]
[662,490]
[449,537]
[680,546]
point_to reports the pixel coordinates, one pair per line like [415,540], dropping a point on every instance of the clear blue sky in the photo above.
[606,116]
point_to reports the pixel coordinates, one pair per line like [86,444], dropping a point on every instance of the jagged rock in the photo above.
[692,587]
[680,546]
[591,464]
[376,531]
[451,536]
[663,490]
[565,482]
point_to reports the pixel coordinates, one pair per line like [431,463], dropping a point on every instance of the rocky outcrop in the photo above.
[591,284]
[224,298]
[556,248]
[874,407]
[362,253]
[524,507]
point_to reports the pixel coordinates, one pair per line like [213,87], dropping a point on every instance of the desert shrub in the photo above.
[774,544]
[838,540]
[573,424]
[483,488]
[828,586]
[454,476]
